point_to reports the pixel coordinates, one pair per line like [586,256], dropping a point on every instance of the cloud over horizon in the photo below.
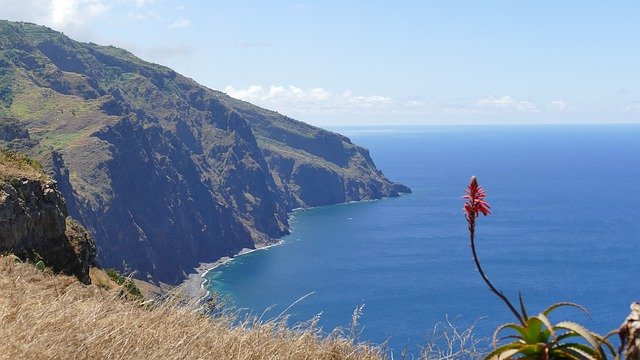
[505,103]
[294,100]
[318,102]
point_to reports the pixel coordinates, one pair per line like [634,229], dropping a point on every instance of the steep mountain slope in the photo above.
[164,172]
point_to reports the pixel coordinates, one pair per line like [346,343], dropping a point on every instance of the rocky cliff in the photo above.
[164,172]
[34,222]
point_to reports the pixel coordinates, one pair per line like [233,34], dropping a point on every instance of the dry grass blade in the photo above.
[448,342]
[44,316]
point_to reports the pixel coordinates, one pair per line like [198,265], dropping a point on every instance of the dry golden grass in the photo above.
[46,316]
[100,279]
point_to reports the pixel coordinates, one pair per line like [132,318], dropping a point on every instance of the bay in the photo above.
[564,227]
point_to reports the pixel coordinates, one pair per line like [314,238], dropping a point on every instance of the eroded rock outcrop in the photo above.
[34,223]
[630,334]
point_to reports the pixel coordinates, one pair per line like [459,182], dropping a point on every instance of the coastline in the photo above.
[195,284]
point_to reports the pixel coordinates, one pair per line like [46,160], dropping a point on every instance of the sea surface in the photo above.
[565,226]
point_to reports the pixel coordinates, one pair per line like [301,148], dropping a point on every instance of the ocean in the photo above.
[565,226]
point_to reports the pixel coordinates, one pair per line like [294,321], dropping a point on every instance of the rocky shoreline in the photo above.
[194,285]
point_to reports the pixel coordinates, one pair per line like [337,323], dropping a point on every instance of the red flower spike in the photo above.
[476,203]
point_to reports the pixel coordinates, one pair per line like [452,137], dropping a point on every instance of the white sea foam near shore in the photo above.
[196,284]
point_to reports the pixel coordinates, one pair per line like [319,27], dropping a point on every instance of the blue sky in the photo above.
[374,62]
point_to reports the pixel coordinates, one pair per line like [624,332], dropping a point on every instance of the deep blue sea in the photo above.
[565,226]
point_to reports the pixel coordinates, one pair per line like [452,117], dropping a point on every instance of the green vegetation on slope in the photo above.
[126,282]
[6,83]
[14,165]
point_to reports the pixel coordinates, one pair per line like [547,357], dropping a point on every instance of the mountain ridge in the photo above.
[164,172]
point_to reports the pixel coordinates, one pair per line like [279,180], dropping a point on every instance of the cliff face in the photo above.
[34,222]
[164,172]
[312,166]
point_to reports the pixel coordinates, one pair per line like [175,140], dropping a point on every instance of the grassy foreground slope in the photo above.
[46,316]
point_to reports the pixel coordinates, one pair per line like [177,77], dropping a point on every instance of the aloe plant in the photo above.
[532,337]
[538,338]
[40,265]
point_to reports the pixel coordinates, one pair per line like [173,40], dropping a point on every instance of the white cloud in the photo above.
[371,100]
[558,105]
[252,93]
[487,105]
[505,103]
[319,103]
[632,107]
[24,10]
[75,17]
[142,3]
[135,3]
[180,23]
[319,94]
[81,19]
[64,13]
[144,15]
[294,101]
[300,7]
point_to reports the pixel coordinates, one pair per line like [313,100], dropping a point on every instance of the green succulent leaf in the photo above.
[551,308]
[532,350]
[505,351]
[566,335]
[586,350]
[523,310]
[535,331]
[580,330]
[574,352]
[519,329]
[543,318]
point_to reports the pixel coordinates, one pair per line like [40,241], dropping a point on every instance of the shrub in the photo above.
[125,282]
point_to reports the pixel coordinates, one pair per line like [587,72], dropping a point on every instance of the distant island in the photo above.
[163,172]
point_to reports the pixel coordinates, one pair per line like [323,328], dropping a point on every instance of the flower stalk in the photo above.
[475,205]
